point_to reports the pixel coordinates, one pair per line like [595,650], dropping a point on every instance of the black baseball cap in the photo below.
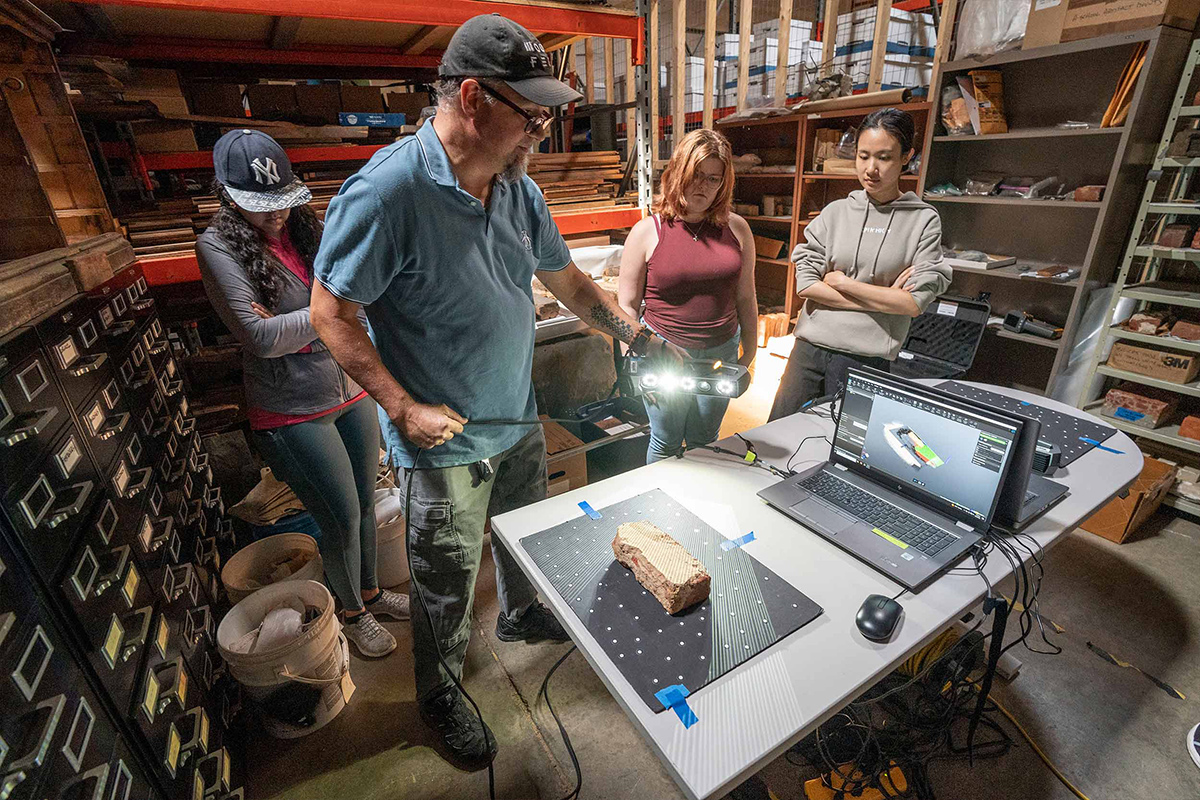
[492,46]
[257,173]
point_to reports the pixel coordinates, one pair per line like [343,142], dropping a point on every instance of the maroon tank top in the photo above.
[691,283]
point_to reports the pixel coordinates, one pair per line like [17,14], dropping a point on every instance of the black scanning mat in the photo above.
[1065,430]
[749,607]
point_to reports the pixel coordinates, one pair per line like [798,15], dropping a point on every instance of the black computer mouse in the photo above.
[877,617]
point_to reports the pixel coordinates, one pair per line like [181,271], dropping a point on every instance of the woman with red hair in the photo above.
[692,264]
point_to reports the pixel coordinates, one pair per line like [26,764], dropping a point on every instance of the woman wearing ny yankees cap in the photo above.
[315,427]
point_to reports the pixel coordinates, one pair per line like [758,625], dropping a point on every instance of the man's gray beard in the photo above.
[515,170]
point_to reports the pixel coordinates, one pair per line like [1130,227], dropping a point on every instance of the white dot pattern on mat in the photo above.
[632,627]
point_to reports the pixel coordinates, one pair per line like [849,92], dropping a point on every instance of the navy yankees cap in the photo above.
[256,172]
[492,46]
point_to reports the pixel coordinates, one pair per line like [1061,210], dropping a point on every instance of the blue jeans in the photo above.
[678,417]
[330,463]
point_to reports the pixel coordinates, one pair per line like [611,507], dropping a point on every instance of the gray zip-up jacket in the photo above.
[277,377]
[872,243]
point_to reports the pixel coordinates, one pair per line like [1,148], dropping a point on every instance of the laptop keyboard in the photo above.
[892,520]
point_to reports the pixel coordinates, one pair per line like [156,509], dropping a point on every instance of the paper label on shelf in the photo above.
[95,418]
[121,478]
[203,730]
[112,642]
[947,309]
[69,456]
[183,687]
[197,786]
[66,351]
[1042,5]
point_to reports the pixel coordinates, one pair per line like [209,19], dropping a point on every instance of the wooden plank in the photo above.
[589,72]
[610,71]
[883,18]
[941,55]
[710,58]
[829,36]
[679,83]
[745,17]
[654,79]
[630,96]
[781,63]
[421,41]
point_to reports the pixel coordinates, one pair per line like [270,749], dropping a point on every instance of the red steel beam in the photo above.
[169,270]
[203,159]
[540,19]
[228,52]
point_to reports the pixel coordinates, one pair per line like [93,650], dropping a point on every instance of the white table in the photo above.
[754,713]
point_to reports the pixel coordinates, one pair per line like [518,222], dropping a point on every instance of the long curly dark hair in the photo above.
[250,248]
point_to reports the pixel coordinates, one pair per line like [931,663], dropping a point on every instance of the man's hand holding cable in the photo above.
[427,425]
[660,351]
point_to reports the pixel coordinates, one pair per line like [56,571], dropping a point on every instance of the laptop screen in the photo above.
[929,448]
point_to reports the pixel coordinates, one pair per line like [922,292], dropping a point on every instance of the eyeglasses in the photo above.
[534,126]
[712,181]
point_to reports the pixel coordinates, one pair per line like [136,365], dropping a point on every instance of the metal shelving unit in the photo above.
[1142,269]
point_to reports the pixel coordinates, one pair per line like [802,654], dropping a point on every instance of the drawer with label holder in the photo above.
[78,355]
[52,501]
[107,422]
[32,409]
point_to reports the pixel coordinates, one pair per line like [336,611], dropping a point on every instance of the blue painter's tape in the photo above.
[587,509]
[1128,413]
[674,697]
[729,544]
[1099,446]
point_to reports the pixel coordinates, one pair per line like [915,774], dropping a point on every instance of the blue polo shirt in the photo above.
[446,284]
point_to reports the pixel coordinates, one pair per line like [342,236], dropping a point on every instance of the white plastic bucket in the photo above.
[282,557]
[319,657]
[391,557]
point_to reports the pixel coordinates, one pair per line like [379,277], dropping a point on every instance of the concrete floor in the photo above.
[1110,730]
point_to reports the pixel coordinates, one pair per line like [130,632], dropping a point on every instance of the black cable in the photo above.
[545,691]
[796,452]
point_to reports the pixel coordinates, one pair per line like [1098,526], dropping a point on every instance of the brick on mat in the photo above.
[662,565]
[1190,427]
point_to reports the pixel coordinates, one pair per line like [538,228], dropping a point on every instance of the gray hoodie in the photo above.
[871,243]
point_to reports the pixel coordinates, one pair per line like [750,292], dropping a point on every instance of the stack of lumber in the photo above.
[576,181]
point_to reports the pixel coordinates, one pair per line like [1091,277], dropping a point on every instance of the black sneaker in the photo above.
[458,727]
[535,625]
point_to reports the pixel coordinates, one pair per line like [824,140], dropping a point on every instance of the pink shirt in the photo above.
[283,249]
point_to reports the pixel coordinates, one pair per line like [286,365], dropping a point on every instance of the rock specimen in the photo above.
[662,565]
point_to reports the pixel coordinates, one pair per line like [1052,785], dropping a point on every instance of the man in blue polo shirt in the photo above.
[439,237]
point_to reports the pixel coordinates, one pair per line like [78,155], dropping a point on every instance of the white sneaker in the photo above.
[390,604]
[371,638]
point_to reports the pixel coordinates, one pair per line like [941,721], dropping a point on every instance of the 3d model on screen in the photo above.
[909,446]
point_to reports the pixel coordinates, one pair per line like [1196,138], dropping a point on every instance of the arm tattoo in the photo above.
[603,318]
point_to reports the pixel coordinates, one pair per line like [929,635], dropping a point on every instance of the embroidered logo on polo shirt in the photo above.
[525,240]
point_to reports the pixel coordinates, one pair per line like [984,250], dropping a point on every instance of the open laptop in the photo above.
[913,479]
[1025,495]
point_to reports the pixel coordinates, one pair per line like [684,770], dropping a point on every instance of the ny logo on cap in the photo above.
[266,173]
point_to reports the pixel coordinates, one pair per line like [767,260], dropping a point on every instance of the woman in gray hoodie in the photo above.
[868,265]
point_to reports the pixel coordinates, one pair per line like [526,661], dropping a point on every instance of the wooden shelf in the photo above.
[1031,133]
[791,118]
[780,262]
[1004,333]
[850,176]
[1081,46]
[1117,332]
[780,174]
[1192,389]
[780,220]
[1013,272]
[1017,201]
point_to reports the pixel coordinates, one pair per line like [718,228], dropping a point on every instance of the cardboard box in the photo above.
[272,100]
[216,100]
[565,472]
[362,99]
[410,104]
[988,86]
[1045,24]
[1172,367]
[1122,516]
[767,247]
[319,103]
[1086,19]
